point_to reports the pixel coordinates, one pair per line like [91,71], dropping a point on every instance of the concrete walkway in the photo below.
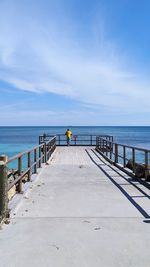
[79,212]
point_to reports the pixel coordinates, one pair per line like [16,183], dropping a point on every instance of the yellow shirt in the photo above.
[68,134]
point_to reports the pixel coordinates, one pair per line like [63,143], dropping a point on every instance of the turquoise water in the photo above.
[17,139]
[14,140]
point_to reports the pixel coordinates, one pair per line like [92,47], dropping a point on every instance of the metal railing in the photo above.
[76,139]
[129,159]
[34,159]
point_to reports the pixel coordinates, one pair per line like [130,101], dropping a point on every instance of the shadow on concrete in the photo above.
[130,180]
[133,202]
[146,221]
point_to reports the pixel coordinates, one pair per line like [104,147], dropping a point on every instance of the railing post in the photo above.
[133,159]
[146,164]
[55,142]
[110,150]
[106,147]
[29,166]
[75,140]
[45,153]
[35,161]
[116,153]
[39,157]
[19,186]
[3,188]
[49,150]
[109,145]
[54,145]
[124,156]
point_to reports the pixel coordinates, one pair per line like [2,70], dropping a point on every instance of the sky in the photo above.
[74,62]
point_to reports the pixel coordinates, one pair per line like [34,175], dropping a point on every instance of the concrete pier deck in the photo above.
[79,212]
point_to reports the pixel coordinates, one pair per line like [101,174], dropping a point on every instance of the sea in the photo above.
[14,140]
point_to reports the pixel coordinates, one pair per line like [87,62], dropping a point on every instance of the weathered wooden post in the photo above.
[29,166]
[19,186]
[3,187]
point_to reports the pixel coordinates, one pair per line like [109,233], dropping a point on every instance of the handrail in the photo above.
[113,152]
[76,140]
[34,158]
[119,144]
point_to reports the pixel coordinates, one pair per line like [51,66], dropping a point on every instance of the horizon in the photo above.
[74,62]
[66,126]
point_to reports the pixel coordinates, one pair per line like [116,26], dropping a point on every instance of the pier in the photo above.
[80,206]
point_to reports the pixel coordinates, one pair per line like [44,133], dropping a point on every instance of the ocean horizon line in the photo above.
[22,126]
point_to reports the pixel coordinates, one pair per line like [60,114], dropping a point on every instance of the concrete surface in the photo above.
[79,211]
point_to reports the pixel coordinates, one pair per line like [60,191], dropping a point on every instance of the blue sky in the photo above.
[71,62]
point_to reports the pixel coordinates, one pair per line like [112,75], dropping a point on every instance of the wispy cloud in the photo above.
[45,117]
[41,53]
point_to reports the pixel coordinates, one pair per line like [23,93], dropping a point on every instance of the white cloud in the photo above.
[54,118]
[44,117]
[42,54]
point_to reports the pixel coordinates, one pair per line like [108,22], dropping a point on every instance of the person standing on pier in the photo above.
[68,134]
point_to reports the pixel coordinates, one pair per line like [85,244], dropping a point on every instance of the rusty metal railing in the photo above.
[130,159]
[34,158]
